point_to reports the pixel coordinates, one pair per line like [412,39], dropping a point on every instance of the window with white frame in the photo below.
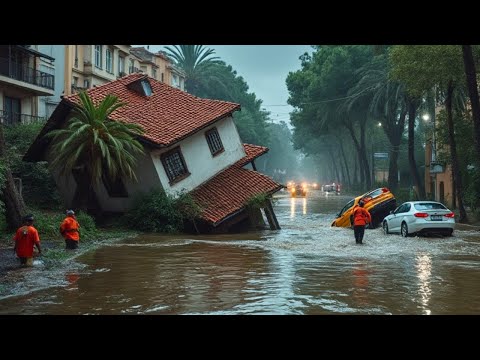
[121,65]
[109,59]
[98,56]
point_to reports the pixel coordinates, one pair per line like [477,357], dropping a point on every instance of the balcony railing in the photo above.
[11,118]
[22,72]
[77,89]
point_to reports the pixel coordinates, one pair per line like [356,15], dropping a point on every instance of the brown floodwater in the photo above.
[307,267]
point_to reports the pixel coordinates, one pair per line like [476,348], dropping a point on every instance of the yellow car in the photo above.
[378,202]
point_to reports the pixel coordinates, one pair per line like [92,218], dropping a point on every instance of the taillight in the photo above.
[385,190]
[421,215]
[449,215]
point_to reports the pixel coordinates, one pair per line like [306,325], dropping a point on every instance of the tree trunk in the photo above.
[335,167]
[14,205]
[363,152]
[412,110]
[393,168]
[453,151]
[359,154]
[345,162]
[471,76]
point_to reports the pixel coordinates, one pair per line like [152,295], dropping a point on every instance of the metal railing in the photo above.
[11,118]
[21,72]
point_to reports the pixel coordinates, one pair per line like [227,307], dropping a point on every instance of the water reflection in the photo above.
[423,265]
[360,276]
[304,206]
[292,208]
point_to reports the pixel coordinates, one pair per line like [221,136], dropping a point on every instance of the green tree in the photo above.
[14,205]
[195,61]
[91,145]
[423,68]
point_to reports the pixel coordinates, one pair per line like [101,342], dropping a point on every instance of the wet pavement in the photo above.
[307,267]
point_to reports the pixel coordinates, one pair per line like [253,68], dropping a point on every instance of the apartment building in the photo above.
[24,77]
[87,66]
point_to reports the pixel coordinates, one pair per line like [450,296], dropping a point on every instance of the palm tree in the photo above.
[91,145]
[194,60]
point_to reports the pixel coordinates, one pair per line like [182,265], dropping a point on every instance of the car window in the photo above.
[401,209]
[429,206]
[346,207]
[375,193]
[407,207]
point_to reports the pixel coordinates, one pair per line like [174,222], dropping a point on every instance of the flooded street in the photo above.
[305,268]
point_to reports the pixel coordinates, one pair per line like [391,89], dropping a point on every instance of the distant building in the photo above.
[47,104]
[191,145]
[87,66]
[25,75]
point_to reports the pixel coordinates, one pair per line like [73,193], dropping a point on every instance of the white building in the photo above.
[191,145]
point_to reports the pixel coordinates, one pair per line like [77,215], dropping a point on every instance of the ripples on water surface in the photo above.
[305,268]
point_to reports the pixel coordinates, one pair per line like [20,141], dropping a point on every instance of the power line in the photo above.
[330,100]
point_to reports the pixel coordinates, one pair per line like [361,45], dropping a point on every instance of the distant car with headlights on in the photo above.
[331,188]
[415,217]
[299,190]
[378,202]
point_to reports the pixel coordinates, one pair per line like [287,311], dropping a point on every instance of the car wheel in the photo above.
[385,228]
[450,233]
[404,229]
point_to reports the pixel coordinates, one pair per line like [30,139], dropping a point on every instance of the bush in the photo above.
[257,201]
[38,185]
[48,225]
[158,212]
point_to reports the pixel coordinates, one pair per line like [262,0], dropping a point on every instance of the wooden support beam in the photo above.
[272,214]
[253,165]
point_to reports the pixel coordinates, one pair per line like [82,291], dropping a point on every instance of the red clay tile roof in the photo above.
[229,191]
[168,116]
[253,151]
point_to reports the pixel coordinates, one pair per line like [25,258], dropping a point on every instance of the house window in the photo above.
[175,81]
[115,188]
[132,66]
[75,81]
[147,89]
[76,56]
[154,73]
[109,58]
[174,165]
[86,84]
[162,78]
[12,110]
[98,56]
[121,66]
[214,141]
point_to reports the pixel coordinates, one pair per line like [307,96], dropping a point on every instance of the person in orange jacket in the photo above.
[70,230]
[26,237]
[361,217]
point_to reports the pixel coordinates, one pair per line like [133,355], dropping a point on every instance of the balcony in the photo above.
[10,118]
[19,74]
[77,89]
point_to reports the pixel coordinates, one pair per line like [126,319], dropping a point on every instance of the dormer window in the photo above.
[141,86]
[147,89]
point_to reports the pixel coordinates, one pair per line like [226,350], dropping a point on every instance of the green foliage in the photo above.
[158,212]
[38,186]
[48,225]
[94,142]
[257,201]
[207,77]
[3,179]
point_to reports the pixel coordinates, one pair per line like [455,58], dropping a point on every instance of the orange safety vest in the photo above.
[69,229]
[361,216]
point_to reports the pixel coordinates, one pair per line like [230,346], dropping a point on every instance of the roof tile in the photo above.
[168,116]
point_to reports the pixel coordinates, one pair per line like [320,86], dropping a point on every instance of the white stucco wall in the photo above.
[147,180]
[198,158]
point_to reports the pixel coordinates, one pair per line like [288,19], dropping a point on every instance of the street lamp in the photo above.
[426,117]
[379,124]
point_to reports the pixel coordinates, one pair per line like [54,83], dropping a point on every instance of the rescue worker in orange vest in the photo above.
[361,217]
[25,239]
[69,230]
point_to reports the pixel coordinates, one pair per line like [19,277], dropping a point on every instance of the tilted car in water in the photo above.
[378,202]
[420,217]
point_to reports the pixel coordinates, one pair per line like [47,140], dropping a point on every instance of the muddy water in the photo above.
[305,268]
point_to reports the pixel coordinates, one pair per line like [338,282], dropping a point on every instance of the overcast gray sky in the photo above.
[264,68]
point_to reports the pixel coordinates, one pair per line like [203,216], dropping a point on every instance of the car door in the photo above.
[397,216]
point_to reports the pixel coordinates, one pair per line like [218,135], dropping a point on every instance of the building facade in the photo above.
[88,66]
[24,78]
[47,104]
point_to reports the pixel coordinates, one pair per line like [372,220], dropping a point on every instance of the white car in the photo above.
[420,217]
